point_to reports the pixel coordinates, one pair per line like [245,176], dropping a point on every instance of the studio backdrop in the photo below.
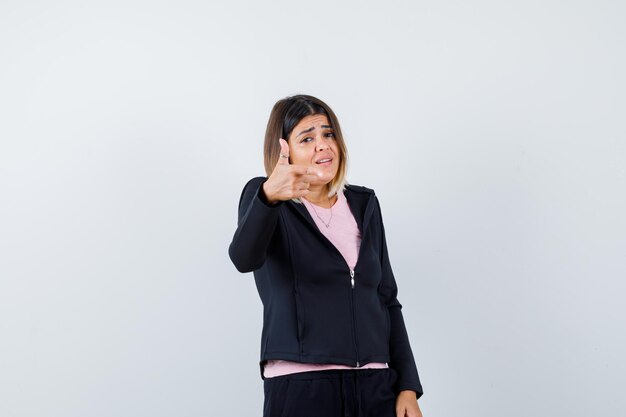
[492,133]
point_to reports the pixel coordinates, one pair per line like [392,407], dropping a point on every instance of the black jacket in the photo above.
[316,310]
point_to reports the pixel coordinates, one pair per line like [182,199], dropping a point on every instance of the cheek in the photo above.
[300,157]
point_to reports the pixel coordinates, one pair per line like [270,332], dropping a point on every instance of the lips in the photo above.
[324,160]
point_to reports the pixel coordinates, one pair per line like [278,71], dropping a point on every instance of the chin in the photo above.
[328,177]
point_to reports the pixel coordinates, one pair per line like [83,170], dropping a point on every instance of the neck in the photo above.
[318,194]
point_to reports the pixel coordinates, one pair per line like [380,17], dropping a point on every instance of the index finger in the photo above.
[306,170]
[309,178]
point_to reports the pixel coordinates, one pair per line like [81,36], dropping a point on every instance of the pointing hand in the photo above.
[288,181]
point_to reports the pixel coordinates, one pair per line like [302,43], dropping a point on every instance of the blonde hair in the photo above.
[285,115]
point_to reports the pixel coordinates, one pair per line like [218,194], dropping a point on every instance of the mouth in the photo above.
[324,161]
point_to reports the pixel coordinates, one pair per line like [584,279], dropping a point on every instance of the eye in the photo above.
[307,139]
[330,135]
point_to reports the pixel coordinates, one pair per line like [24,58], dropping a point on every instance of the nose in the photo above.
[321,144]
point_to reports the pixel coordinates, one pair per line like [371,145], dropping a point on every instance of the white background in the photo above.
[493,133]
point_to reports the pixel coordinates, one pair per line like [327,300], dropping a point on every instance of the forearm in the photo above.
[401,354]
[256,226]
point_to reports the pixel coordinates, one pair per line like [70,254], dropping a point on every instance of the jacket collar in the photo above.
[360,200]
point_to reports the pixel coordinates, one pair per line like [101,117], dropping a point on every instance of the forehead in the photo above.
[313,121]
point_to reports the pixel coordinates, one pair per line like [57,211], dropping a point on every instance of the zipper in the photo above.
[352,281]
[356,345]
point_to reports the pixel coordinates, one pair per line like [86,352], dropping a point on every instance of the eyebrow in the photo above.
[313,128]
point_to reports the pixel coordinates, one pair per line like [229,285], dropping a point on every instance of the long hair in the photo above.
[285,115]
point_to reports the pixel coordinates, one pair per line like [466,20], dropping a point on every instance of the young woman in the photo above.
[334,341]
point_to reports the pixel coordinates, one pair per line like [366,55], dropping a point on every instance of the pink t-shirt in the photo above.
[343,232]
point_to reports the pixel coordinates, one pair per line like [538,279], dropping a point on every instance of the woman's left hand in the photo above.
[406,405]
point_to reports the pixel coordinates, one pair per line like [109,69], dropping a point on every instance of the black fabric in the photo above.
[311,312]
[334,393]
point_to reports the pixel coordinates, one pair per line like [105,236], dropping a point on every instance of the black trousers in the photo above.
[332,393]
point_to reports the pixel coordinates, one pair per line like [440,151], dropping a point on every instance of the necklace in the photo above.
[319,217]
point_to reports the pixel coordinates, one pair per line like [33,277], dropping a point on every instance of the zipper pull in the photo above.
[352,278]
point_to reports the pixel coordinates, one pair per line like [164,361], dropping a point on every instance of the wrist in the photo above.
[267,195]
[408,393]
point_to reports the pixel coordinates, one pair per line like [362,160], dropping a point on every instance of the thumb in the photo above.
[283,159]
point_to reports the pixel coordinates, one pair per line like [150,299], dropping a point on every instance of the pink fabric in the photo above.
[343,232]
[279,367]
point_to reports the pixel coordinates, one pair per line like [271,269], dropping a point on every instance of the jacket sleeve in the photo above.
[255,226]
[400,352]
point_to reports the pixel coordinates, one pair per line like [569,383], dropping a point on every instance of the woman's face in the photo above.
[312,143]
